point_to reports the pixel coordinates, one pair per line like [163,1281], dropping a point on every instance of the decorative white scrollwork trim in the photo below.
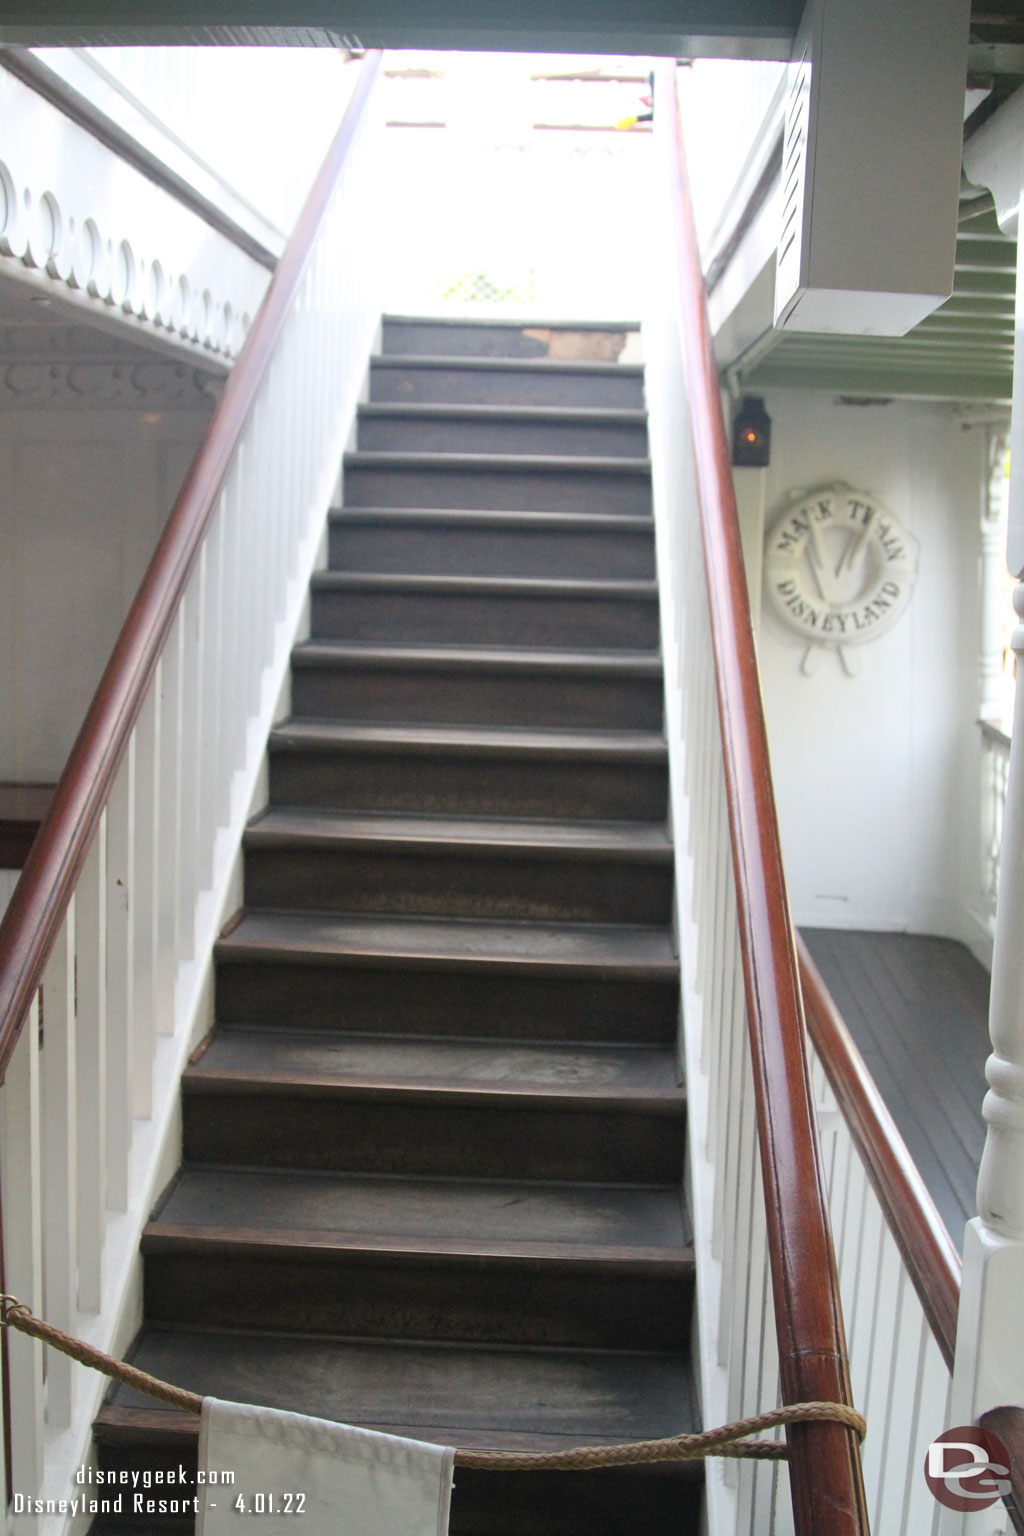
[95,384]
[120,248]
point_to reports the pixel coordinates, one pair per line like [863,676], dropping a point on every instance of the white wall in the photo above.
[258,119]
[876,775]
[86,493]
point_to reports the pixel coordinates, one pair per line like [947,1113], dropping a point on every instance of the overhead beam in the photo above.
[680,28]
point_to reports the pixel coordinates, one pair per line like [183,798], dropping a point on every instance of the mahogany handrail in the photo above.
[927,1250]
[41,897]
[825,1475]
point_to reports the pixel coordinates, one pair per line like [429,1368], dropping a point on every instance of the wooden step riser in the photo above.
[617,1503]
[450,883]
[446,550]
[380,1000]
[418,618]
[392,1135]
[496,386]
[373,1000]
[171,1458]
[453,1300]
[415,337]
[441,783]
[655,1501]
[442,697]
[499,490]
[454,435]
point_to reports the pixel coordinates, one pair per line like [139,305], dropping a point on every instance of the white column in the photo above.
[993,542]
[989,1368]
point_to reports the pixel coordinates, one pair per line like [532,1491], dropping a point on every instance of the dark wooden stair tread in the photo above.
[479,1071]
[516,463]
[509,365]
[286,827]
[428,411]
[455,943]
[447,1394]
[482,586]
[432,1156]
[504,1218]
[515,741]
[464,658]
[463,517]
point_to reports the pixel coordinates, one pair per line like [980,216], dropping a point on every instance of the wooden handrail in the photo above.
[41,898]
[928,1251]
[824,1470]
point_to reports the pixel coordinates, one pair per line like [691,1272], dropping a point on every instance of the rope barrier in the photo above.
[730,1440]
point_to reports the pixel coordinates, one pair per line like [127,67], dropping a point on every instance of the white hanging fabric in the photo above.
[309,1477]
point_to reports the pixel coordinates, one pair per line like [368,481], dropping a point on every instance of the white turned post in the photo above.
[989,1367]
[993,544]
[1001,1180]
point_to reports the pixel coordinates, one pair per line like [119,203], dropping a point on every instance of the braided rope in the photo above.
[730,1440]
[15,1314]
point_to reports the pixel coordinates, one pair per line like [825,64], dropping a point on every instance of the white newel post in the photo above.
[992,761]
[993,544]
[989,1370]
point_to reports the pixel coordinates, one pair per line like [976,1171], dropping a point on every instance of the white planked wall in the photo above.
[876,775]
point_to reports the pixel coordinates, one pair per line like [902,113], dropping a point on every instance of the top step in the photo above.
[575,341]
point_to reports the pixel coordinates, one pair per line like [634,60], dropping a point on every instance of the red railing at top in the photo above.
[40,901]
[824,1466]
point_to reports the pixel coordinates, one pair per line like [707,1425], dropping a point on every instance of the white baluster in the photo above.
[145,821]
[120,980]
[60,1160]
[20,1130]
[210,766]
[993,568]
[168,689]
[91,1055]
[190,763]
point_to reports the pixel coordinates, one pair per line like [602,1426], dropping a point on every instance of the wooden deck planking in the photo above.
[917,1007]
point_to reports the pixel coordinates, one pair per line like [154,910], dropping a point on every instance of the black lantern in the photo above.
[751,434]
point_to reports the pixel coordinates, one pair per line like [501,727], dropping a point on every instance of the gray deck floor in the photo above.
[918,1009]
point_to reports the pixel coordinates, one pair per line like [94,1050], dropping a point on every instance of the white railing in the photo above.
[899,1273]
[897,1270]
[738,1364]
[105,969]
[989,1366]
[901,1383]
[769,1317]
[995,769]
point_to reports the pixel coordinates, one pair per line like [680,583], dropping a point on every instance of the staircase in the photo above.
[433,1148]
